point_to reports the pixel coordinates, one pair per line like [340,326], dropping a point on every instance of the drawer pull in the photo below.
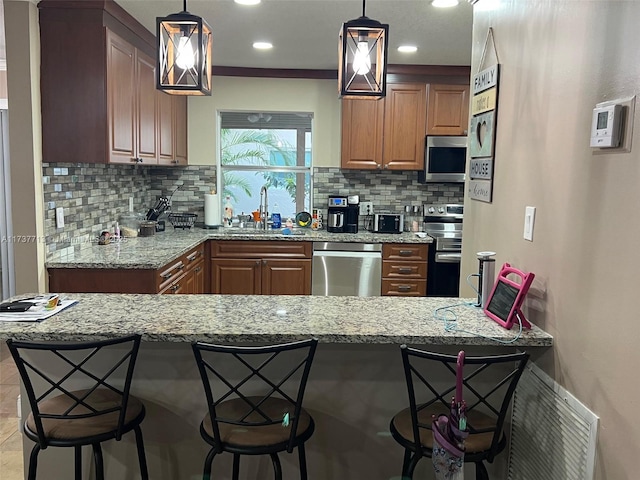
[405,253]
[405,270]
[167,275]
[257,262]
[193,256]
[404,288]
[175,287]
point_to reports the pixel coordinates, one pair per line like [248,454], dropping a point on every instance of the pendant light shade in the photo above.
[362,53]
[184,54]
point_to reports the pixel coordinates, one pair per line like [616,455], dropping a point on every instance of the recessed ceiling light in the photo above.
[444,3]
[247,2]
[262,45]
[407,49]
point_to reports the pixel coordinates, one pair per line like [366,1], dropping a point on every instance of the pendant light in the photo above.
[362,53]
[184,54]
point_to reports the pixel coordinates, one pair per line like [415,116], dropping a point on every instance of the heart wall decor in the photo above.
[481,137]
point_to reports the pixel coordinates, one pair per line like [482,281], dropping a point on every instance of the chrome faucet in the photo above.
[264,209]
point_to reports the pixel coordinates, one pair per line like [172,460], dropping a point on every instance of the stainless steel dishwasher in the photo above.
[346,269]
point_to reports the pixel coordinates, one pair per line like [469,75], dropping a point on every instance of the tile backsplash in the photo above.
[93,196]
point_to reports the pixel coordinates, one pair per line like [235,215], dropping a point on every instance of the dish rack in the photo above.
[182,220]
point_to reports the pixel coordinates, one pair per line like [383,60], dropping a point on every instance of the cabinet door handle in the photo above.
[405,270]
[257,262]
[175,287]
[174,161]
[197,269]
[404,288]
[264,262]
[386,166]
[378,166]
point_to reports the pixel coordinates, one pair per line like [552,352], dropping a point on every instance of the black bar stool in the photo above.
[488,384]
[254,399]
[63,415]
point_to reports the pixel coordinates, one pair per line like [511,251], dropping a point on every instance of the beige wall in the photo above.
[25,133]
[267,94]
[558,60]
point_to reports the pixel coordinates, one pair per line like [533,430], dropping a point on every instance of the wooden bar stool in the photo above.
[87,403]
[488,384]
[254,399]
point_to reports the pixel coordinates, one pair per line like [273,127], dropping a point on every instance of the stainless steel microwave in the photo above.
[445,159]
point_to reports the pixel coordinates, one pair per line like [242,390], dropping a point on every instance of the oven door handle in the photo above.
[448,257]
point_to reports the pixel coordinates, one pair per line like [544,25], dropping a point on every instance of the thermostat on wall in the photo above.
[605,126]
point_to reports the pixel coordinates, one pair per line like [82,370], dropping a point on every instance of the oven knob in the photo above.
[431,210]
[440,209]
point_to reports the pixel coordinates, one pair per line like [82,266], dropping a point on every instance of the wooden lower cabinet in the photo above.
[404,269]
[186,274]
[260,268]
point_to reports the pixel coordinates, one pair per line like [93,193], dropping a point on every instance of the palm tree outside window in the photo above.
[266,148]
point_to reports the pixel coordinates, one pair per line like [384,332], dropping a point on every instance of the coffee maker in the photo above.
[343,214]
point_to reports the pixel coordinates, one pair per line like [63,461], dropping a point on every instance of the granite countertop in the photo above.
[163,247]
[272,319]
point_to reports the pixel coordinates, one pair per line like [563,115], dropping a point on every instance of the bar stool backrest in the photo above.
[489,383]
[76,371]
[253,377]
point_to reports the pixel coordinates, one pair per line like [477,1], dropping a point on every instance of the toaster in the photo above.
[388,222]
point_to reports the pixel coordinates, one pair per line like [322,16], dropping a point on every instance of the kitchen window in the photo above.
[266,148]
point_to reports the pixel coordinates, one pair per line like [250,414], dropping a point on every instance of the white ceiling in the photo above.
[304,33]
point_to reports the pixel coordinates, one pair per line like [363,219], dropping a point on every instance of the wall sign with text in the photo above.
[482,133]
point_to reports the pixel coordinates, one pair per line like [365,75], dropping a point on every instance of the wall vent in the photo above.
[553,435]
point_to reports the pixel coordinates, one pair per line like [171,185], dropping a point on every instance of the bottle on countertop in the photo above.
[228,212]
[276,219]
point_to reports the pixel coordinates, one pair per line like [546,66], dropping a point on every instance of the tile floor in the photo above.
[10,437]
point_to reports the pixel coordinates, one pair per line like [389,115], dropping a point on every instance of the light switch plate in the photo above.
[59,217]
[529,220]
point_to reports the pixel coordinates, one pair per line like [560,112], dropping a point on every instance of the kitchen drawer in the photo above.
[404,288]
[404,251]
[175,285]
[260,249]
[168,274]
[193,256]
[394,269]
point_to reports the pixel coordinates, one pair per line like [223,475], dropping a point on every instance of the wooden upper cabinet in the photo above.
[386,133]
[180,129]
[133,104]
[448,110]
[173,129]
[404,126]
[121,98]
[98,88]
[362,129]
[166,149]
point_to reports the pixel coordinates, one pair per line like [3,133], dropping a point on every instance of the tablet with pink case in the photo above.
[507,296]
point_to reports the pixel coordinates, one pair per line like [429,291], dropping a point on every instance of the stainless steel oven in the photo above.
[444,224]
[445,159]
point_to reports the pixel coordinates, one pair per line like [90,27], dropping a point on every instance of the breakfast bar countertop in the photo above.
[270,319]
[163,247]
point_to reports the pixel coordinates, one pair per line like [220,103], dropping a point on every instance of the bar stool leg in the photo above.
[236,466]
[33,461]
[481,471]
[77,457]
[303,462]
[97,455]
[412,465]
[144,473]
[208,463]
[405,461]
[277,469]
